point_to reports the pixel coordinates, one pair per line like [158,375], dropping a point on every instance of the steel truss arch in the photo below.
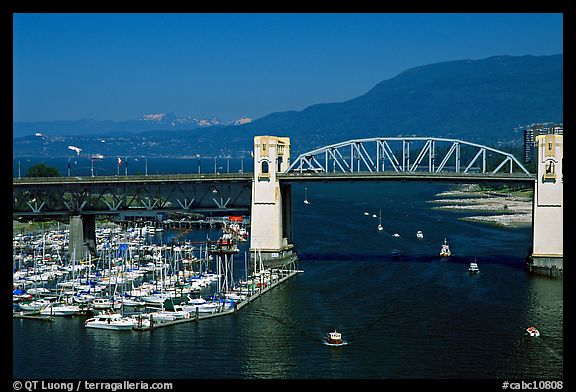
[378,155]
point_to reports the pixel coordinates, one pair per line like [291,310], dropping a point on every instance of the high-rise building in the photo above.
[532,131]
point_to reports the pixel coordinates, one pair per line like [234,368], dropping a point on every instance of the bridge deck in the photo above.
[403,176]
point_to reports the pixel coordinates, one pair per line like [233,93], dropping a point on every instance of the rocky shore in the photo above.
[497,207]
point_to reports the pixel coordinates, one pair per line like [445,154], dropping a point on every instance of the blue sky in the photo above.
[122,66]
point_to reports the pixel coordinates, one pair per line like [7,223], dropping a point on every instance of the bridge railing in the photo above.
[406,154]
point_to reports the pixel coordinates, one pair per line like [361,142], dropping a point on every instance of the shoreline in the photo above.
[511,210]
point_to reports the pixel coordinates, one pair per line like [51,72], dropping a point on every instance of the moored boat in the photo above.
[113,321]
[55,309]
[35,305]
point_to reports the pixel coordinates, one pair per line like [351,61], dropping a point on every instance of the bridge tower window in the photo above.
[265,168]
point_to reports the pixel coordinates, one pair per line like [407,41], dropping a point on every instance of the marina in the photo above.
[134,282]
[280,334]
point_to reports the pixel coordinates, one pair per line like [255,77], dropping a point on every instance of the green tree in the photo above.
[41,170]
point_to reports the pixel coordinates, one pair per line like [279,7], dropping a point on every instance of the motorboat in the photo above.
[473,269]
[306,196]
[380,228]
[445,249]
[532,331]
[113,321]
[334,339]
[395,235]
[419,234]
[105,303]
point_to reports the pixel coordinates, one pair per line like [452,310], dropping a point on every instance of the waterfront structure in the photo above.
[267,192]
[547,213]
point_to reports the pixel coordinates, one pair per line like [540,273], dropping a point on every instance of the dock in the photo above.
[32,316]
[237,306]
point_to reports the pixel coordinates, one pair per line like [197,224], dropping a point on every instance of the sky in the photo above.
[122,66]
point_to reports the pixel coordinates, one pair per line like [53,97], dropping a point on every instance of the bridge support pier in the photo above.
[82,236]
[547,256]
[270,218]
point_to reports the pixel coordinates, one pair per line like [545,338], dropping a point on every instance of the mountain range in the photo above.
[146,123]
[483,101]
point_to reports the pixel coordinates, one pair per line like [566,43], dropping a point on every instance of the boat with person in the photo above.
[445,249]
[334,339]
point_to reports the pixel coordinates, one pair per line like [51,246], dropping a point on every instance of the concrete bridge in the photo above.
[266,193]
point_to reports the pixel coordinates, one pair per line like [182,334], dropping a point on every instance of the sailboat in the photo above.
[306,196]
[380,228]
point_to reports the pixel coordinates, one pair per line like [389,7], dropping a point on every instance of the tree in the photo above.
[41,170]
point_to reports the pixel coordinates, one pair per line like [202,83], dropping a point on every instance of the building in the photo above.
[532,131]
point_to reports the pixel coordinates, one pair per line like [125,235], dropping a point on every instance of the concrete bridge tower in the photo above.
[547,212]
[270,219]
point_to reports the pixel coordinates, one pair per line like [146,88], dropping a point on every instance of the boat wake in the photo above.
[344,343]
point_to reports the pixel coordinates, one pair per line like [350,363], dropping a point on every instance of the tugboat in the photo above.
[334,339]
[445,250]
[532,331]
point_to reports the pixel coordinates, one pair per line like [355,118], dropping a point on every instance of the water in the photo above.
[84,166]
[417,316]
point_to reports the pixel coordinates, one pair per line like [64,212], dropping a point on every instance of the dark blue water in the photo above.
[415,316]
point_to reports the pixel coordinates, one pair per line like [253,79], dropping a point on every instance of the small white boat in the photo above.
[395,235]
[132,302]
[55,309]
[34,305]
[156,298]
[171,315]
[113,321]
[207,307]
[532,331]
[419,234]
[366,213]
[334,339]
[380,228]
[473,268]
[105,303]
[306,196]
[445,249]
